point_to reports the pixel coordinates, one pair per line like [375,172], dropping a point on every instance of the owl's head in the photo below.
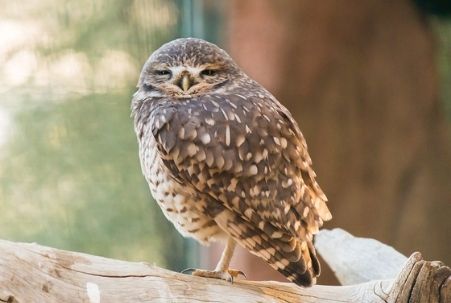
[186,68]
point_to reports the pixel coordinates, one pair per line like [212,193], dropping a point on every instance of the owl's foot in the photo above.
[228,275]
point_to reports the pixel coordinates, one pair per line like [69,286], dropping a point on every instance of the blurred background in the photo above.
[368,81]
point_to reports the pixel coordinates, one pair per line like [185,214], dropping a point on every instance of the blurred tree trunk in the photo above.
[360,78]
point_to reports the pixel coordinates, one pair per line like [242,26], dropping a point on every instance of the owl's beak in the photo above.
[185,83]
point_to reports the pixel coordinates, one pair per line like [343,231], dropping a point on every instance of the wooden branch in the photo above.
[34,273]
[357,260]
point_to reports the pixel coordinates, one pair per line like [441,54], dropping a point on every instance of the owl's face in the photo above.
[185,68]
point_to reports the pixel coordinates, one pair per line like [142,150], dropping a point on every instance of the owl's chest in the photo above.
[180,204]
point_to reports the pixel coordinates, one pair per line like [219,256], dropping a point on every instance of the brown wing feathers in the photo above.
[287,255]
[253,165]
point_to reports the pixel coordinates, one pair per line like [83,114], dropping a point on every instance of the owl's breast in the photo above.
[180,203]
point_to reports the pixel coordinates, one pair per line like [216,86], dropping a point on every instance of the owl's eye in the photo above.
[209,72]
[163,72]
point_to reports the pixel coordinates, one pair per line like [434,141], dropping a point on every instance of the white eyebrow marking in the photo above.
[176,70]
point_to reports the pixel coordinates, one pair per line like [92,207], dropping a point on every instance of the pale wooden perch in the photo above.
[34,273]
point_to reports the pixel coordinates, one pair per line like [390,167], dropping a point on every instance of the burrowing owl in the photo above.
[226,161]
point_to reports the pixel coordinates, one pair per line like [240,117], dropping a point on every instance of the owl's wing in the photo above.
[249,156]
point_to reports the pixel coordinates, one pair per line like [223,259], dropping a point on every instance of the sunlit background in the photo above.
[69,171]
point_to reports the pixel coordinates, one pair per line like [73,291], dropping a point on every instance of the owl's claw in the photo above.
[188,270]
[235,273]
[228,275]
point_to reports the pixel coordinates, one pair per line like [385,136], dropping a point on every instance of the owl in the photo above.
[226,161]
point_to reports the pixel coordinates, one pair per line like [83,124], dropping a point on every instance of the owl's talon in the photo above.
[188,270]
[228,275]
[237,273]
[234,274]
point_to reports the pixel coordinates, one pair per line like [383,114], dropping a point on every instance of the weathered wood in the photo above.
[34,273]
[358,260]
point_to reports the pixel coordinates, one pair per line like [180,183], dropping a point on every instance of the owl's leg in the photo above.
[222,270]
[226,257]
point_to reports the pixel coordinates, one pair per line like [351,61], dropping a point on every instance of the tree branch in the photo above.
[357,260]
[34,273]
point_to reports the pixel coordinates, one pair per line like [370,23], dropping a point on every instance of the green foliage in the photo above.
[71,179]
[69,167]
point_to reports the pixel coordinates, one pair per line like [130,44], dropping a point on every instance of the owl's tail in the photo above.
[293,258]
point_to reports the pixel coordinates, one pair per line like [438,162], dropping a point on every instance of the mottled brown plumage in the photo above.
[224,159]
